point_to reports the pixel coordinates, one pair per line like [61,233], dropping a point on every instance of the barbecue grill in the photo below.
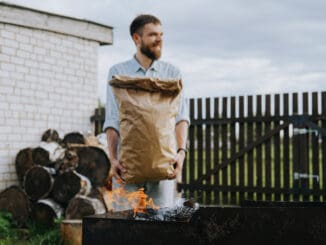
[249,223]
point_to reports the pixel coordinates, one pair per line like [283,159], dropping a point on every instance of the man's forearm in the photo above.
[181,131]
[112,138]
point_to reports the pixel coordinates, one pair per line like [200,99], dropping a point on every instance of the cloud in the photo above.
[222,47]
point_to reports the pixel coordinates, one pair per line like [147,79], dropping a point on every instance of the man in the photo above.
[146,32]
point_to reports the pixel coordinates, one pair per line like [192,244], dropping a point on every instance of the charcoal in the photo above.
[179,213]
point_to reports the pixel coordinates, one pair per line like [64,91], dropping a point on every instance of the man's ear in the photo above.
[136,38]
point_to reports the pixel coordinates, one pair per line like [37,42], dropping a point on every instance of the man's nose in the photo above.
[159,38]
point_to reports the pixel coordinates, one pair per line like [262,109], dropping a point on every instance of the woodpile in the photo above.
[58,179]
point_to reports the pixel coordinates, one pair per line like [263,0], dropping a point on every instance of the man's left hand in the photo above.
[178,164]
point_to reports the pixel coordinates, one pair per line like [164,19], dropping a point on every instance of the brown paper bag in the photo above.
[148,108]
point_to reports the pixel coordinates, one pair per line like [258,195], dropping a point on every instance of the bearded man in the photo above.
[146,32]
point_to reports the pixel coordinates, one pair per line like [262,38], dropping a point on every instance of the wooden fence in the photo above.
[264,147]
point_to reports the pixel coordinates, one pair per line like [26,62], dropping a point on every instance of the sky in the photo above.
[223,48]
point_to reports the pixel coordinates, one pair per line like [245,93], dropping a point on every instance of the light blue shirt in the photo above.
[158,69]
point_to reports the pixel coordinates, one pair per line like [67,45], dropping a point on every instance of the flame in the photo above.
[137,200]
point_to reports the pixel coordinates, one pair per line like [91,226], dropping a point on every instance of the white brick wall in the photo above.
[47,80]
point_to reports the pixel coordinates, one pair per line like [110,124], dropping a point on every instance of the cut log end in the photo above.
[23,163]
[15,201]
[45,212]
[37,182]
[65,187]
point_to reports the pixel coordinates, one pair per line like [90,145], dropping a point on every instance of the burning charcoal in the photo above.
[177,213]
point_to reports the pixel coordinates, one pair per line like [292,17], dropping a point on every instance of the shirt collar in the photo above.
[136,66]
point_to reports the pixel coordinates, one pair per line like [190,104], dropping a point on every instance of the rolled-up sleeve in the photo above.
[183,113]
[111,109]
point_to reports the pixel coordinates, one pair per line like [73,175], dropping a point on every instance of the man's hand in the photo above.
[118,169]
[178,164]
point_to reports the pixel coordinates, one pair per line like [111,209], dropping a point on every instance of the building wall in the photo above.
[47,80]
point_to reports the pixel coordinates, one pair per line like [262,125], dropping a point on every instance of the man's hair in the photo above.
[140,21]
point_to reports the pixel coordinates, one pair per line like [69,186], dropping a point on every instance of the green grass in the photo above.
[32,234]
[264,162]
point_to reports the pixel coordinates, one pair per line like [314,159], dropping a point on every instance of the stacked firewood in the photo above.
[61,178]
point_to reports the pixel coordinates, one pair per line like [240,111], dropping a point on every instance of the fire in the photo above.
[137,200]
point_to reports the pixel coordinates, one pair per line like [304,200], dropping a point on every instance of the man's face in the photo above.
[150,41]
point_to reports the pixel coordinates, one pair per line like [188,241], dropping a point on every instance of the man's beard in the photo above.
[154,55]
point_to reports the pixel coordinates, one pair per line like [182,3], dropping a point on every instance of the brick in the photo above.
[41,35]
[45,66]
[26,47]
[17,91]
[39,50]
[7,51]
[25,32]
[4,168]
[6,90]
[16,60]
[7,82]
[30,108]
[7,130]
[7,66]
[17,75]
[31,78]
[12,99]
[23,39]
[11,43]
[7,34]
[23,54]
[5,74]
[15,106]
[30,63]
[22,69]
[13,122]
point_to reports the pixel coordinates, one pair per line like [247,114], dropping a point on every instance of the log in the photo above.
[38,182]
[41,157]
[81,206]
[68,163]
[45,211]
[14,200]
[94,164]
[69,184]
[73,138]
[51,135]
[23,163]
[55,151]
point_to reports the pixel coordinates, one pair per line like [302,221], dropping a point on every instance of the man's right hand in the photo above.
[118,169]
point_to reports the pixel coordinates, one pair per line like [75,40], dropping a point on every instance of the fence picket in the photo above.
[216,151]
[250,156]
[191,147]
[304,154]
[208,141]
[268,169]
[259,162]
[286,150]
[315,147]
[224,149]
[233,151]
[295,149]
[199,134]
[277,159]
[324,143]
[241,146]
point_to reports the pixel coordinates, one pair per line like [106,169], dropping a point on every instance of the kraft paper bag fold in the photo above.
[148,108]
